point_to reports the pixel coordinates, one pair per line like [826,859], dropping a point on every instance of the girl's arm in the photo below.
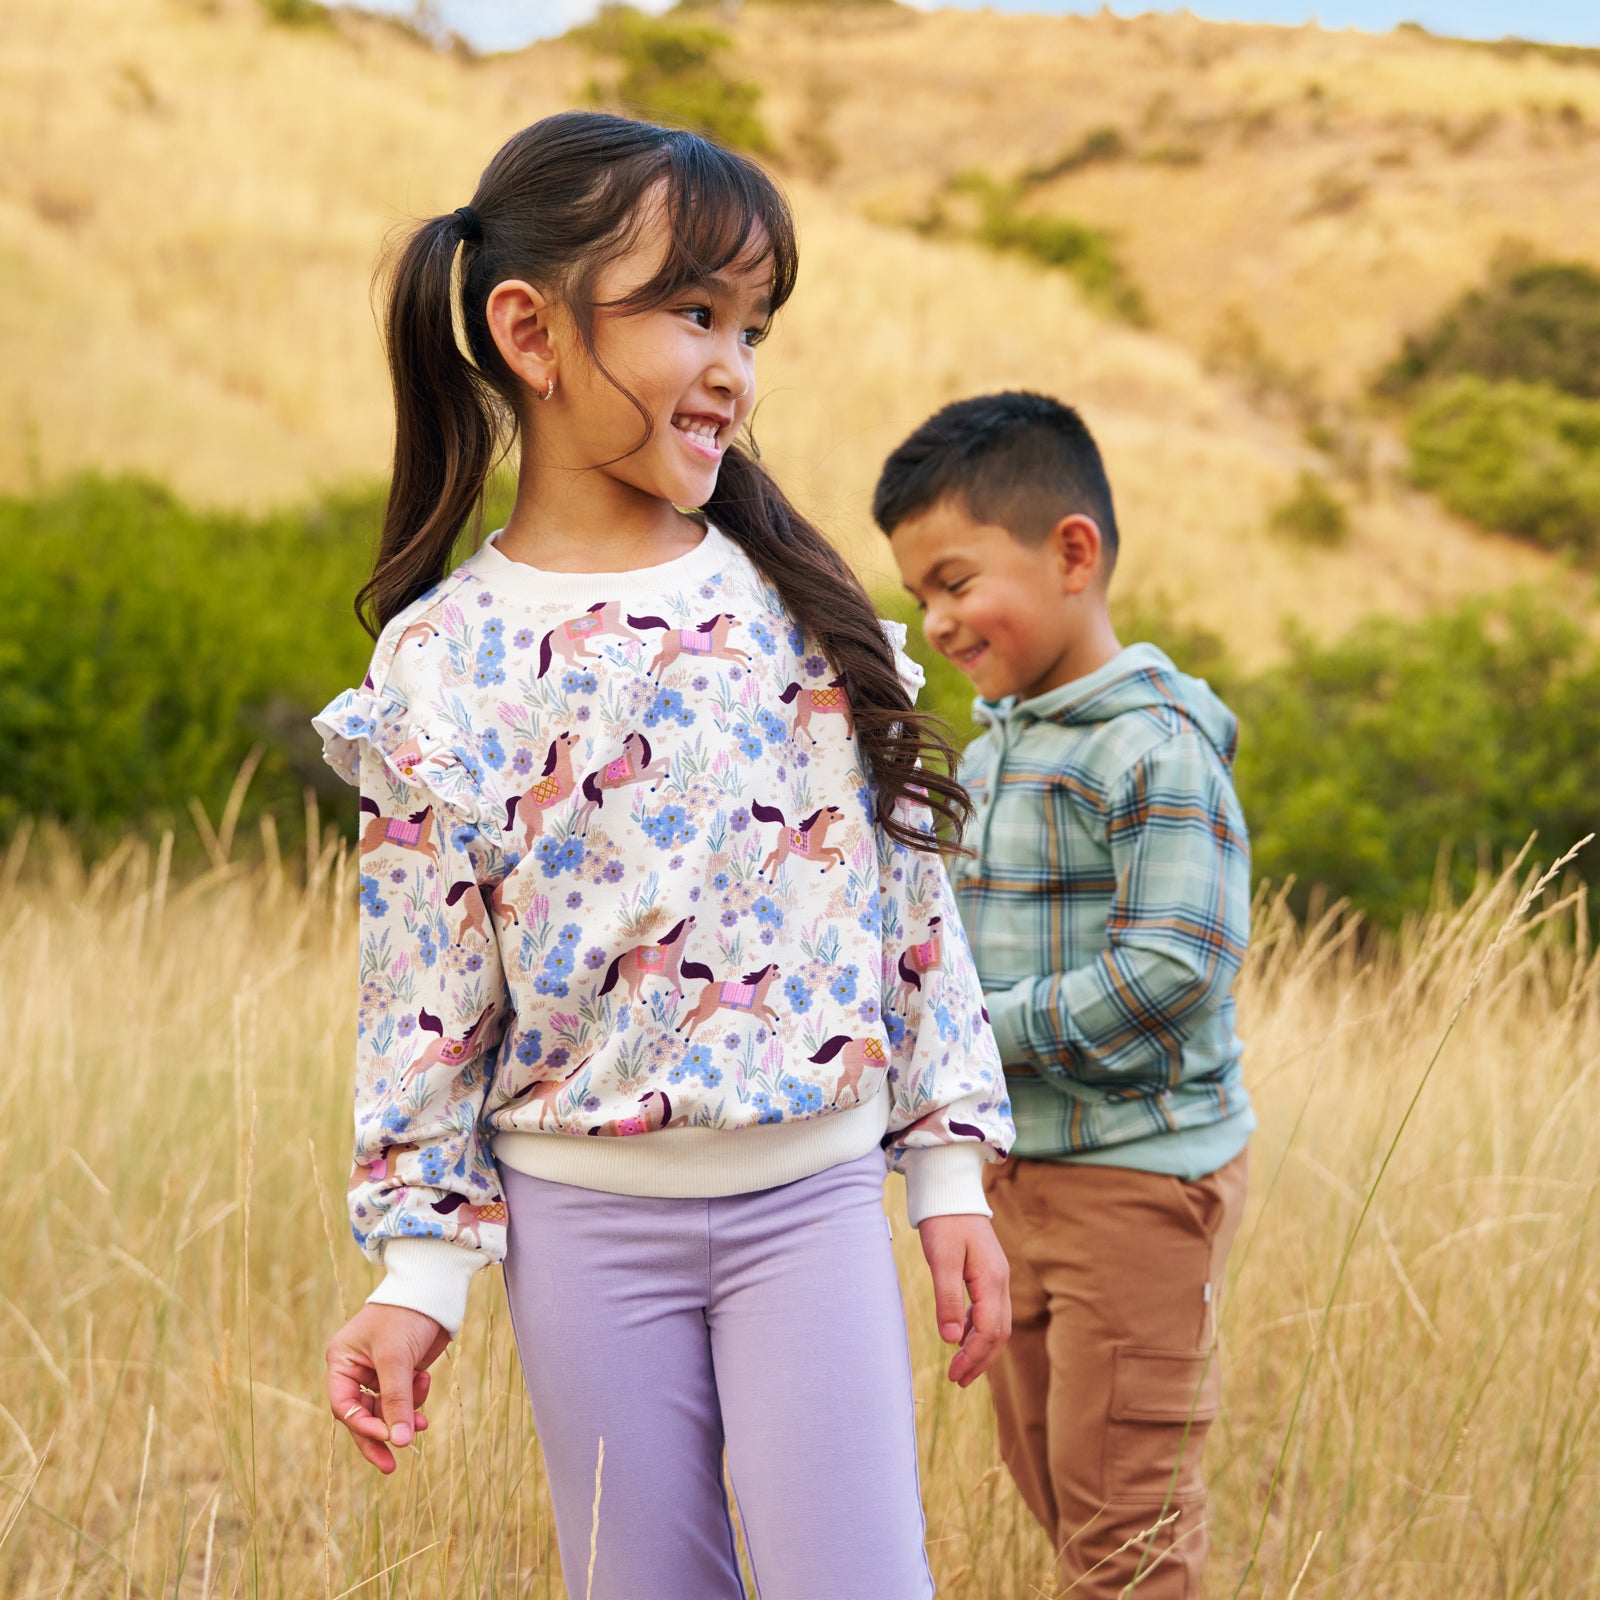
[424,1195]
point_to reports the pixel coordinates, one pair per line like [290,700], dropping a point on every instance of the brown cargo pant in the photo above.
[1110,1383]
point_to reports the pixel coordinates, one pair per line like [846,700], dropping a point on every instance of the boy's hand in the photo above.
[963,1254]
[378,1377]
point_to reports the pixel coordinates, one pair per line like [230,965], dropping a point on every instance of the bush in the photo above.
[1531,323]
[1312,515]
[1086,253]
[148,647]
[1521,457]
[671,74]
[1362,761]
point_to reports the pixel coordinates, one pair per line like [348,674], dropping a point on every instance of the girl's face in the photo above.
[690,364]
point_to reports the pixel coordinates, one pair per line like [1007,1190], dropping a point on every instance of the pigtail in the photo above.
[906,751]
[446,431]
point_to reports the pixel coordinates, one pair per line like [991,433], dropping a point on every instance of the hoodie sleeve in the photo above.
[1176,932]
[424,1197]
[948,1111]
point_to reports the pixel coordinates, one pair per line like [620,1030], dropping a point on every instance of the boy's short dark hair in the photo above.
[1019,461]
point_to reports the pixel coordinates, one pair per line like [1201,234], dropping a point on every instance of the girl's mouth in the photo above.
[701,434]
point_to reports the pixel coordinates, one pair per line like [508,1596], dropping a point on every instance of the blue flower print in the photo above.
[489,749]
[670,826]
[426,947]
[570,934]
[802,1097]
[895,1026]
[766,910]
[749,744]
[415,1227]
[740,820]
[797,640]
[528,1047]
[711,1077]
[395,1121]
[798,996]
[772,727]
[579,681]
[549,983]
[432,1166]
[763,1103]
[697,1060]
[463,836]
[556,856]
[559,961]
[493,627]
[371,901]
[667,706]
[843,987]
[762,635]
[721,881]
[470,764]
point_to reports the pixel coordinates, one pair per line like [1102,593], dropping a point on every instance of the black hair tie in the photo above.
[471,230]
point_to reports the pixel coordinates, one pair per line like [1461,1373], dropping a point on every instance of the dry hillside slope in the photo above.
[191,201]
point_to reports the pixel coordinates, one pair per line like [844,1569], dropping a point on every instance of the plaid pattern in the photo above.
[1108,904]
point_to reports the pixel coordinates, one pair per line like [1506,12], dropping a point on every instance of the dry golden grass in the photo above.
[173,1128]
[192,201]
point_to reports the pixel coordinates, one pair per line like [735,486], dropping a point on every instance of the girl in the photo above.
[658,953]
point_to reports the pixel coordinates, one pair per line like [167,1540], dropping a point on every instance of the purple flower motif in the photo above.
[730,918]
[406,1026]
[522,761]
[816,666]
[802,759]
[868,1011]
[699,683]
[740,820]
[592,1103]
[523,638]
[594,958]
[398,875]
[582,713]
[575,899]
[694,893]
[485,599]
[731,1041]
[675,863]
[558,1058]
[474,962]
[613,872]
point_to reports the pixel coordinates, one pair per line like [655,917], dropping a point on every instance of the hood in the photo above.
[1139,678]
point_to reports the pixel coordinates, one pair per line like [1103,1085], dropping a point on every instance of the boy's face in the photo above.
[1009,614]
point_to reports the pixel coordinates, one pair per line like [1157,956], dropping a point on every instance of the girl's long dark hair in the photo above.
[558,202]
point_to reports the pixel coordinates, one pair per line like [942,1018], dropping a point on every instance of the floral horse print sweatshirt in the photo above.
[626,921]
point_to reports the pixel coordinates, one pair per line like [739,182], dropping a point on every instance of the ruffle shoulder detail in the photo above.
[912,677]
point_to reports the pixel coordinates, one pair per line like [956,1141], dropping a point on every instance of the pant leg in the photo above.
[608,1296]
[809,1339]
[1019,1380]
[1132,1263]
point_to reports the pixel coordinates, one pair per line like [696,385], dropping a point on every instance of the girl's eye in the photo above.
[700,313]
[754,336]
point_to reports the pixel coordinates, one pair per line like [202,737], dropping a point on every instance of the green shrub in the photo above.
[149,647]
[1312,515]
[1532,323]
[1524,458]
[1361,761]
[298,13]
[1084,252]
[670,73]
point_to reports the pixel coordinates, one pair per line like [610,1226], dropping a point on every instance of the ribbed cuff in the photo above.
[945,1180]
[430,1276]
[1007,1010]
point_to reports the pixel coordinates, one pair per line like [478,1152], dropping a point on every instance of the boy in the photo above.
[1108,907]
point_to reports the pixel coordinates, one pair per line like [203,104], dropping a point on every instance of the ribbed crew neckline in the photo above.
[540,587]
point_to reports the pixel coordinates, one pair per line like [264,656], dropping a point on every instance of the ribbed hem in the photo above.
[945,1180]
[697,1163]
[430,1276]
[638,585]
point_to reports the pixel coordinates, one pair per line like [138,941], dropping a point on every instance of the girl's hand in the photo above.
[962,1252]
[386,1349]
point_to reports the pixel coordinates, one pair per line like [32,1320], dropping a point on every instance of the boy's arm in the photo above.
[1176,932]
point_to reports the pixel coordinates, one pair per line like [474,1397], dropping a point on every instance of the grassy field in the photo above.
[1413,1421]
[192,201]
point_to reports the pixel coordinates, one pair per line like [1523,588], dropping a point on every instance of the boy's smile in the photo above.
[1017,618]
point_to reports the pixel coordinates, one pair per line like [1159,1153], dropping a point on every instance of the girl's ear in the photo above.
[1078,546]
[521,321]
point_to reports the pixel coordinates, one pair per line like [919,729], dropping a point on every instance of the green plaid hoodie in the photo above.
[1108,909]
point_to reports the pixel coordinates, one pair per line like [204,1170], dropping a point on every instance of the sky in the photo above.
[509,24]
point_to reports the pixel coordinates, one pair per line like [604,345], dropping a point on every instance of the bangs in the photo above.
[721,211]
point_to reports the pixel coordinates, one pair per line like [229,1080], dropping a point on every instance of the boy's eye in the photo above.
[958,585]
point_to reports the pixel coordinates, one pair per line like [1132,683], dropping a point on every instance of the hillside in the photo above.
[192,200]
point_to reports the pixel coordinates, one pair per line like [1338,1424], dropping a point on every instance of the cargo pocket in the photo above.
[1163,1403]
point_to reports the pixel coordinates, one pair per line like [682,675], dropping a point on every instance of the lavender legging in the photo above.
[770,1324]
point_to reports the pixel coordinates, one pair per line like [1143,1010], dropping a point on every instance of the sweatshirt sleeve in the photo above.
[948,1111]
[424,1197]
[1176,932]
